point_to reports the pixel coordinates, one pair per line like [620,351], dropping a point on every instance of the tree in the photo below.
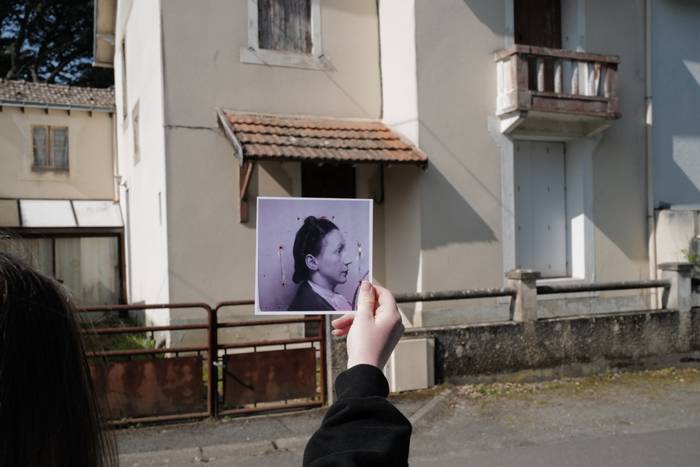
[49,41]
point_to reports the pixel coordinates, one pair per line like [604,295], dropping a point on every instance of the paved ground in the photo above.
[636,419]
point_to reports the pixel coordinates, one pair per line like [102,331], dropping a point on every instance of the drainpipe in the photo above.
[648,101]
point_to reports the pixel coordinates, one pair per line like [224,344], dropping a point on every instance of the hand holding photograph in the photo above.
[311,254]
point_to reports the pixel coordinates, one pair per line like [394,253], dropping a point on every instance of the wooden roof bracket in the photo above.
[245,169]
[246,172]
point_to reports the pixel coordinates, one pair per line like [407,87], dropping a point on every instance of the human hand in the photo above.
[373,330]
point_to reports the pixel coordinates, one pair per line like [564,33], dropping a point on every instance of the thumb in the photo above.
[365,301]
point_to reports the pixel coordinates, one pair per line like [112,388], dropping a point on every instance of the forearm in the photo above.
[362,427]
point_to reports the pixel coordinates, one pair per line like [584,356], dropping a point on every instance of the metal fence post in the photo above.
[524,281]
[212,370]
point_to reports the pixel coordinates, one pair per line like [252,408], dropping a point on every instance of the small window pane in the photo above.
[89,268]
[59,146]
[46,213]
[284,25]
[40,141]
[37,252]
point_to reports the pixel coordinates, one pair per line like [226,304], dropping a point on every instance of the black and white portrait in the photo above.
[312,254]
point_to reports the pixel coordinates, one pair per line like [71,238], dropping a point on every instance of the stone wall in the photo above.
[488,349]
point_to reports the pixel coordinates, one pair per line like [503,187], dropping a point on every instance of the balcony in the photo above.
[555,94]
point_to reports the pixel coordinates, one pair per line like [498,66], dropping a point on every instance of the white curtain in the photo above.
[37,252]
[59,147]
[89,268]
[40,140]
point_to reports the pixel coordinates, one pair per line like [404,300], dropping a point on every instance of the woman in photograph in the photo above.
[320,264]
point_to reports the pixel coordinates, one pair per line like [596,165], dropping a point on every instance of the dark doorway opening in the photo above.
[326,181]
[538,23]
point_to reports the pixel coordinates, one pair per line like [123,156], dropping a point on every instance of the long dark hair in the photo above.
[308,241]
[48,412]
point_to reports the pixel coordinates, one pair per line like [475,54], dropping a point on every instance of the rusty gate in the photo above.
[233,372]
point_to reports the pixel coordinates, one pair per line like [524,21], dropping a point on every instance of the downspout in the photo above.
[648,103]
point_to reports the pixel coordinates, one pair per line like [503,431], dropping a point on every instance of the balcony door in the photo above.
[538,23]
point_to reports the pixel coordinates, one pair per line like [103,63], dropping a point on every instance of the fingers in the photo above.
[387,308]
[365,301]
[344,321]
[341,332]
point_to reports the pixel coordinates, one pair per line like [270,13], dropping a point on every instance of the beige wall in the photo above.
[91,155]
[211,254]
[203,68]
[460,192]
[619,174]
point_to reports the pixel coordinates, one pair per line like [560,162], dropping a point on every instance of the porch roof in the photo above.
[258,137]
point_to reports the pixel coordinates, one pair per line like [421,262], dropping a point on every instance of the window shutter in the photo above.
[39,142]
[59,147]
[285,25]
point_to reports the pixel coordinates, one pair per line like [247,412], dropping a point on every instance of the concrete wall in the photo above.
[145,205]
[211,253]
[577,344]
[676,101]
[91,155]
[619,176]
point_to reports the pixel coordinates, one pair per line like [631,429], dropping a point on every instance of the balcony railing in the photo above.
[557,82]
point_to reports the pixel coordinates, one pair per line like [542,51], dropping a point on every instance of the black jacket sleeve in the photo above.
[362,427]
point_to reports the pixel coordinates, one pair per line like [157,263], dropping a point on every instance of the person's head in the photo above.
[48,412]
[319,253]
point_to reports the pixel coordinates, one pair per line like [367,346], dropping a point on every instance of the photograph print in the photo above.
[311,254]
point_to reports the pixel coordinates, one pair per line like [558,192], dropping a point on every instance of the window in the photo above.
[135,129]
[285,33]
[541,208]
[285,25]
[50,147]
[88,266]
[124,94]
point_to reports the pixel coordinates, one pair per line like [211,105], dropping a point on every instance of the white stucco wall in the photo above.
[146,212]
[676,101]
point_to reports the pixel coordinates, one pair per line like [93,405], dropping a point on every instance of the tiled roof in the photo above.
[41,94]
[323,139]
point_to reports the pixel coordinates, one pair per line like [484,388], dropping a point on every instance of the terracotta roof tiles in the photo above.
[19,92]
[322,139]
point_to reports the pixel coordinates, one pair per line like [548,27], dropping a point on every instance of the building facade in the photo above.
[58,198]
[533,117]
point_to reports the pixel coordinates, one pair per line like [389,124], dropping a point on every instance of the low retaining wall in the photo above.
[474,350]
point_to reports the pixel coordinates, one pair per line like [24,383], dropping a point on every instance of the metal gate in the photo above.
[242,375]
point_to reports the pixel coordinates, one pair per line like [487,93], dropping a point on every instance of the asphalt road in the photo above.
[641,419]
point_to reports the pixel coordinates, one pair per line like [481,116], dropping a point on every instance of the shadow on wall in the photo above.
[678,136]
[490,14]
[447,217]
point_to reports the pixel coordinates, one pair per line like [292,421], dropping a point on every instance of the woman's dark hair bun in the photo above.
[308,241]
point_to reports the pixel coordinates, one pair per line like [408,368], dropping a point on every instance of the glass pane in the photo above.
[46,213]
[59,146]
[37,252]
[39,140]
[89,268]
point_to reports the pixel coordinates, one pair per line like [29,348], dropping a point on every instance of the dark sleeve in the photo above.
[362,427]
